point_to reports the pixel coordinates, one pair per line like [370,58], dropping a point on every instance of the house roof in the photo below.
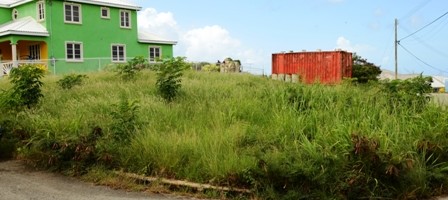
[144,37]
[23,26]
[112,3]
[12,3]
[127,4]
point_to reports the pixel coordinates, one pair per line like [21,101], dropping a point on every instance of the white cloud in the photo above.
[210,43]
[345,44]
[160,23]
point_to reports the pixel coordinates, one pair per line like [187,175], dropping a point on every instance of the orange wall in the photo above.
[22,50]
[6,51]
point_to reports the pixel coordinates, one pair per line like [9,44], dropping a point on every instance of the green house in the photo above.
[74,35]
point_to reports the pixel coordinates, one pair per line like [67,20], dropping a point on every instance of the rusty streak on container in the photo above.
[326,67]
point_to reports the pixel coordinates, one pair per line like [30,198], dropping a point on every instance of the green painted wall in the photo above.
[28,9]
[5,15]
[97,36]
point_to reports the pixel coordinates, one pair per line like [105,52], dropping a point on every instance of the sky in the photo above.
[252,30]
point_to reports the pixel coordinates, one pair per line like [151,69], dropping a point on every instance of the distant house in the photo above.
[438,82]
[74,35]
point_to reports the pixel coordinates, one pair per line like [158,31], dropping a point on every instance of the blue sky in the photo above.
[252,30]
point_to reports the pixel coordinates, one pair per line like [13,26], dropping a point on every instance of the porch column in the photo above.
[14,54]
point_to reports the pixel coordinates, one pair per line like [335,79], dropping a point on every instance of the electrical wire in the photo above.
[417,8]
[446,13]
[425,63]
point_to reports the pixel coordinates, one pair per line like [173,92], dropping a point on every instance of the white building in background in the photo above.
[438,82]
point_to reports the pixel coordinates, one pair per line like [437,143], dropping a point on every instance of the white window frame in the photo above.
[155,58]
[81,53]
[108,12]
[14,14]
[40,6]
[129,19]
[72,17]
[118,59]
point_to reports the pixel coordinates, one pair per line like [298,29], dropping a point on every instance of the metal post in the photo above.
[396,50]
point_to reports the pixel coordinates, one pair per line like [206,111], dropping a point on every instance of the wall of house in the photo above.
[96,34]
[5,15]
[28,9]
[5,49]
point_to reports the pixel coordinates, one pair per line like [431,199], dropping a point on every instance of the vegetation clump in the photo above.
[129,70]
[26,87]
[169,77]
[72,80]
[280,141]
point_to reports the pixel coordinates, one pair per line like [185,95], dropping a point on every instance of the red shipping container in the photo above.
[326,67]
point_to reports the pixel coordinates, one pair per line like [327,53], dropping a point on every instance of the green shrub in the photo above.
[125,119]
[70,81]
[26,89]
[413,92]
[129,70]
[210,68]
[169,77]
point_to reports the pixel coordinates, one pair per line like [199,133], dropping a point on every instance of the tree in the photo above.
[364,71]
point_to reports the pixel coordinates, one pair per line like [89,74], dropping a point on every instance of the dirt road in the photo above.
[17,183]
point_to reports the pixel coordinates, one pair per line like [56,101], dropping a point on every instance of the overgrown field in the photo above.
[281,140]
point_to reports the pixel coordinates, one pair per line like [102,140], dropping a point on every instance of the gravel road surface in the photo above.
[19,183]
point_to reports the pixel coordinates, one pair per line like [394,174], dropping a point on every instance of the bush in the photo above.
[169,77]
[129,70]
[210,68]
[70,81]
[410,92]
[26,90]
[125,116]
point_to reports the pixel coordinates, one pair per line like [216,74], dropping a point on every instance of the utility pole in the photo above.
[396,51]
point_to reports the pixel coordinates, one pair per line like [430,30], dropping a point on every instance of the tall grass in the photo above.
[281,140]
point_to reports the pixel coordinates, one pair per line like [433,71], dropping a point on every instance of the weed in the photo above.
[129,70]
[70,81]
[26,89]
[169,77]
[125,119]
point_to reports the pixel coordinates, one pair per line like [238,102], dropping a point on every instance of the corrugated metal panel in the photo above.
[327,67]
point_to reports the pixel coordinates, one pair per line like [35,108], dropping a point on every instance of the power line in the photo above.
[424,27]
[425,63]
[417,8]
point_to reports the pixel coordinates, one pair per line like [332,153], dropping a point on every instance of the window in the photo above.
[154,54]
[105,13]
[73,51]
[125,19]
[72,13]
[15,14]
[34,52]
[40,11]
[118,53]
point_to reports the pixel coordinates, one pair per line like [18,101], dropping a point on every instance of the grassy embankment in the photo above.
[281,140]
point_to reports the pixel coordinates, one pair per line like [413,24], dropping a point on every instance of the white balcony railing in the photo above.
[6,67]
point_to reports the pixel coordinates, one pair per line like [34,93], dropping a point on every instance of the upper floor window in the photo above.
[125,19]
[105,13]
[118,53]
[73,51]
[154,54]
[40,10]
[15,14]
[72,13]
